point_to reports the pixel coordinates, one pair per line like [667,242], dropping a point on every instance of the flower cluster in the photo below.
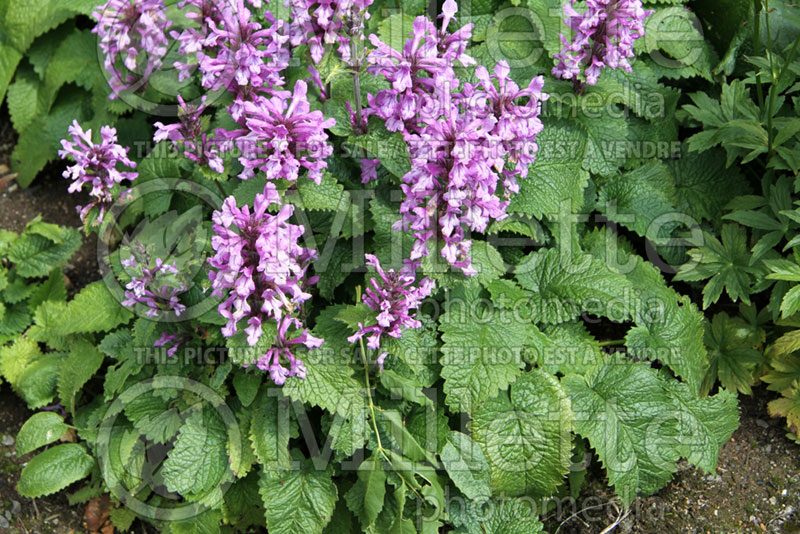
[517,117]
[135,31]
[419,73]
[281,135]
[234,51]
[96,164]
[394,297]
[325,22]
[190,134]
[155,286]
[462,144]
[257,258]
[603,38]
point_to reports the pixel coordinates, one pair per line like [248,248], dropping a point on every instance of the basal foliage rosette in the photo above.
[363,276]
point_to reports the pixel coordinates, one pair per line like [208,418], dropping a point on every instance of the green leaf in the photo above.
[467,466]
[507,516]
[298,502]
[615,406]
[37,383]
[388,147]
[556,176]
[207,522]
[482,355]
[726,262]
[246,386]
[192,474]
[82,363]
[526,436]
[562,286]
[36,255]
[329,381]
[784,366]
[41,429]
[14,359]
[328,195]
[54,470]
[53,289]
[94,309]
[365,498]
[669,327]
[640,424]
[270,430]
[733,358]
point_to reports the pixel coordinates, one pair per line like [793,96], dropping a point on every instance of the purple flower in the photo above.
[135,32]
[517,123]
[603,38]
[281,136]
[369,170]
[394,296]
[233,51]
[451,185]
[154,285]
[325,22]
[419,75]
[173,340]
[261,275]
[189,134]
[96,164]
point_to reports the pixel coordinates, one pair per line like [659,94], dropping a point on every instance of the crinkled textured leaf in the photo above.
[36,255]
[41,429]
[481,356]
[640,424]
[270,430]
[562,286]
[555,177]
[669,327]
[466,465]
[192,474]
[298,501]
[526,436]
[507,516]
[94,309]
[16,357]
[365,498]
[54,470]
[82,363]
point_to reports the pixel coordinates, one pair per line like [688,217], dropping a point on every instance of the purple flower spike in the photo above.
[155,286]
[96,164]
[189,134]
[517,125]
[135,32]
[326,22]
[394,295]
[261,275]
[603,38]
[281,135]
[241,55]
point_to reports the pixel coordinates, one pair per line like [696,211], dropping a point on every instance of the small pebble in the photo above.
[762,423]
[16,508]
[8,441]
[4,522]
[768,449]
[784,492]
[773,501]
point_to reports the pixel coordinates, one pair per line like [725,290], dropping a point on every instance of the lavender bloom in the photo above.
[281,136]
[394,296]
[451,185]
[134,31]
[325,22]
[281,348]
[415,74]
[96,164]
[603,38]
[517,125]
[240,55]
[173,340]
[259,262]
[155,287]
[189,134]
[192,40]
